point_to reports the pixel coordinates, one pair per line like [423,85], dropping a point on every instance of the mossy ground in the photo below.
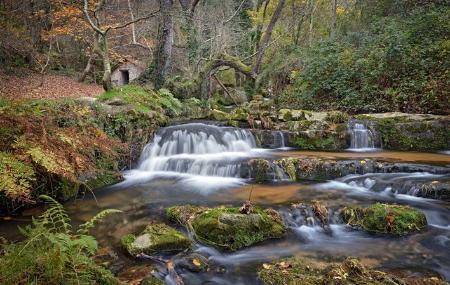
[155,238]
[293,271]
[387,219]
[227,228]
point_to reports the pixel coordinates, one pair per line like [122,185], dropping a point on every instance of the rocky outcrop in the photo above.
[229,228]
[329,130]
[309,168]
[385,219]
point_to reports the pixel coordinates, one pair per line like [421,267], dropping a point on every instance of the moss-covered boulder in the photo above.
[386,219]
[293,271]
[260,170]
[228,228]
[155,238]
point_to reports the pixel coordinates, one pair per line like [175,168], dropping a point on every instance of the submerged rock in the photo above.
[155,238]
[227,228]
[384,218]
[293,271]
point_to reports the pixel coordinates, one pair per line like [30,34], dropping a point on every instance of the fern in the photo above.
[52,254]
[55,218]
[16,178]
[84,228]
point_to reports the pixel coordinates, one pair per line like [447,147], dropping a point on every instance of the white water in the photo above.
[202,156]
[362,139]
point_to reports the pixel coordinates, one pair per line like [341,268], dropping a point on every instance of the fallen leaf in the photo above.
[266,266]
[196,262]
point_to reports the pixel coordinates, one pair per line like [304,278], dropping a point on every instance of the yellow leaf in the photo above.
[196,262]
[266,266]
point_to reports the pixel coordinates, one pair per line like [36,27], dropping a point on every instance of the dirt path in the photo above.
[47,86]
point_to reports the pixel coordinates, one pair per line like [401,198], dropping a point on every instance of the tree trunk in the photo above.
[133,28]
[106,79]
[333,18]
[164,52]
[267,36]
[87,69]
[311,20]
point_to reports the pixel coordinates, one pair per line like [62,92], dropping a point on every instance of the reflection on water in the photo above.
[392,156]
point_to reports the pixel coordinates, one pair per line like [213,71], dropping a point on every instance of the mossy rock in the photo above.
[183,214]
[219,115]
[260,170]
[155,238]
[337,117]
[293,271]
[386,219]
[229,229]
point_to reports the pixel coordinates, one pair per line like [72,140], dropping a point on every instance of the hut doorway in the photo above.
[125,74]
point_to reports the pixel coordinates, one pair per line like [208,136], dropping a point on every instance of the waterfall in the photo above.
[198,149]
[278,139]
[362,139]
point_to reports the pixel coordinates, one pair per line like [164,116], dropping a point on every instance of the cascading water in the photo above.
[197,152]
[279,139]
[362,138]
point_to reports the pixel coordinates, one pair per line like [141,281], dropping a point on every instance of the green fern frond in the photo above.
[84,228]
[55,218]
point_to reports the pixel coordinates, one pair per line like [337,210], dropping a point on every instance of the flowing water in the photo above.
[204,165]
[362,138]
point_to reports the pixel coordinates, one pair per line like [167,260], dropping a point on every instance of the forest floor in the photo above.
[44,86]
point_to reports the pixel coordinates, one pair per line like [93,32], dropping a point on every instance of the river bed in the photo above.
[192,165]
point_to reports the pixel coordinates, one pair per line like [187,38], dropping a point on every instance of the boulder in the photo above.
[385,219]
[228,228]
[155,238]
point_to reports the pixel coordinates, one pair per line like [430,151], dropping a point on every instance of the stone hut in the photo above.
[126,72]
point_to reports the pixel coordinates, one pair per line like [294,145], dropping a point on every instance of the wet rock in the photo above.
[139,274]
[155,238]
[385,219]
[310,168]
[183,214]
[400,131]
[227,228]
[293,271]
[193,262]
[260,170]
[436,189]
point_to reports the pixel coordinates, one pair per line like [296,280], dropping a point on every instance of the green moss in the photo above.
[182,214]
[294,271]
[383,218]
[337,117]
[143,100]
[421,135]
[227,228]
[260,169]
[104,178]
[219,115]
[316,143]
[290,271]
[155,238]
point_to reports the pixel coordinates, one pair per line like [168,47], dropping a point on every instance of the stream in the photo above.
[204,164]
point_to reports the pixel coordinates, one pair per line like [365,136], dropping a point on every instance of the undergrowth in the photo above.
[54,253]
[46,146]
